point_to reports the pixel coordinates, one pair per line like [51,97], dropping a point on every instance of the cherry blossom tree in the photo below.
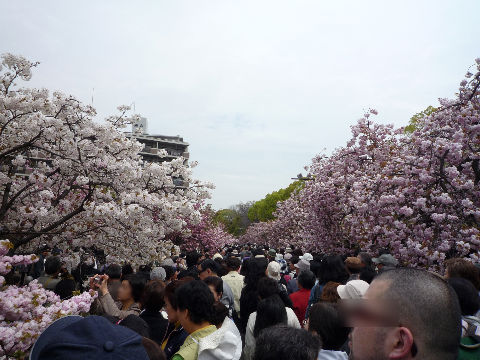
[415,193]
[70,181]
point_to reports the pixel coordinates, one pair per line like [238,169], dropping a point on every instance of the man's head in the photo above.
[208,268]
[233,263]
[192,258]
[284,342]
[408,313]
[195,304]
[306,280]
[114,272]
[53,265]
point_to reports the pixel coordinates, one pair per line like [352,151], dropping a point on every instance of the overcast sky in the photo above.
[256,87]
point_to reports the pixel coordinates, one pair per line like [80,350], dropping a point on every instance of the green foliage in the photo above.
[415,118]
[235,219]
[263,210]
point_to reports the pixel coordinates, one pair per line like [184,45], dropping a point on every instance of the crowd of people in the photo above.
[256,302]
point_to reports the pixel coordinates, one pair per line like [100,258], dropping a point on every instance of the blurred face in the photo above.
[171,312]
[291,266]
[216,295]
[125,291]
[369,337]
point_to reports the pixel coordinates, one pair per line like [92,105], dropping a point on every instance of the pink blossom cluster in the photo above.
[416,194]
[28,310]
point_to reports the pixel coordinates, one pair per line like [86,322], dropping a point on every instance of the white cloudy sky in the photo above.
[256,87]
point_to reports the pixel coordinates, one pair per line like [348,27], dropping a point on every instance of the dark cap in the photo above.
[209,264]
[93,337]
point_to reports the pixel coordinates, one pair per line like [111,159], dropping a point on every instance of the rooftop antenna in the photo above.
[93,90]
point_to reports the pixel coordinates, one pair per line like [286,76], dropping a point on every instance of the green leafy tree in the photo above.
[263,210]
[412,126]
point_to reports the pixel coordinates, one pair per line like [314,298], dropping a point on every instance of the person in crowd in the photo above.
[306,281]
[220,313]
[271,255]
[354,289]
[249,297]
[300,266]
[170,274]
[210,268]
[38,268]
[215,284]
[66,286]
[158,273]
[137,324]
[330,293]
[53,265]
[365,259]
[144,271]
[270,311]
[367,274]
[152,302]
[462,268]
[114,273]
[84,270]
[332,268]
[195,310]
[222,267]
[92,337]
[129,295]
[273,272]
[193,259]
[354,266]
[469,305]
[407,314]
[176,334]
[283,342]
[267,288]
[326,321]
[127,269]
[234,280]
[385,262]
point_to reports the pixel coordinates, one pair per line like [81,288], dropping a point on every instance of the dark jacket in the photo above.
[175,339]
[157,323]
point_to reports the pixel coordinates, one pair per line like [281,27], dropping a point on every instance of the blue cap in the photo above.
[92,337]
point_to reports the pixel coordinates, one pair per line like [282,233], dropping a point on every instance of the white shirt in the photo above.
[236,283]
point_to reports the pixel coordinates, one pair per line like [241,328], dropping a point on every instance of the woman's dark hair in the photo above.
[192,258]
[152,299]
[256,271]
[196,297]
[325,320]
[270,311]
[233,263]
[306,279]
[367,274]
[463,268]
[267,287]
[169,272]
[467,295]
[114,271]
[52,265]
[137,283]
[127,269]
[220,312]
[222,267]
[216,282]
[172,287]
[366,258]
[332,268]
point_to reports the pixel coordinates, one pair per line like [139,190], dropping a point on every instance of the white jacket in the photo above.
[223,344]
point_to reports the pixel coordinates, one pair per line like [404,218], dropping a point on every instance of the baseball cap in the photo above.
[303,265]
[386,259]
[93,337]
[272,253]
[354,289]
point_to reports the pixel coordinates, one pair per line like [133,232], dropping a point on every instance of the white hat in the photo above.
[307,257]
[354,289]
[278,257]
[217,256]
[273,270]
[288,256]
